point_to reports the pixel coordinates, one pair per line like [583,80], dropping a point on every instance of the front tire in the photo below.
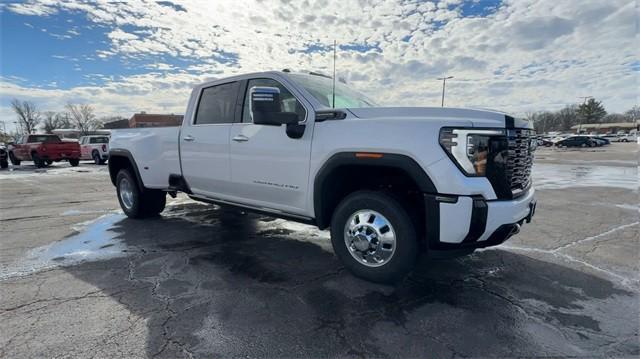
[74,162]
[134,202]
[4,164]
[374,237]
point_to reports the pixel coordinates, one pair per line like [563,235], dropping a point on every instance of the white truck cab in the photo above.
[390,182]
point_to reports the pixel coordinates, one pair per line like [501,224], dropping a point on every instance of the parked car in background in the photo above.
[600,141]
[627,138]
[577,141]
[4,156]
[545,142]
[94,148]
[44,150]
[611,137]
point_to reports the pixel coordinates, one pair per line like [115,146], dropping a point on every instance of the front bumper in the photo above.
[469,222]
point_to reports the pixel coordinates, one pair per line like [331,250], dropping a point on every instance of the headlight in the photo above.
[468,147]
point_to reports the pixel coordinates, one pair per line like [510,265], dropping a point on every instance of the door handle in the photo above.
[188,138]
[241,138]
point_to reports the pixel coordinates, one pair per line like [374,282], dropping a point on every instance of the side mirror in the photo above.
[266,108]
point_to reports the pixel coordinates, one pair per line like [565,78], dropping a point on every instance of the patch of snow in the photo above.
[94,241]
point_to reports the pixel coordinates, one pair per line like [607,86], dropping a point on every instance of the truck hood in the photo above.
[477,118]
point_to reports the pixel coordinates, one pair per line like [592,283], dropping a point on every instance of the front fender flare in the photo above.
[391,160]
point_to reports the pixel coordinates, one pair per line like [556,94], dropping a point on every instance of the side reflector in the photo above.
[368,155]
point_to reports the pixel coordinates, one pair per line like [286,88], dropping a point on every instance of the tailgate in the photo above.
[63,147]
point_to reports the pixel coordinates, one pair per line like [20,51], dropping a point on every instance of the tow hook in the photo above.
[532,211]
[515,230]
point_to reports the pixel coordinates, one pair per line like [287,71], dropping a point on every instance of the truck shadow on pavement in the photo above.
[212,282]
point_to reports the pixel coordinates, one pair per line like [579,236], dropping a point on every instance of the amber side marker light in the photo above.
[368,155]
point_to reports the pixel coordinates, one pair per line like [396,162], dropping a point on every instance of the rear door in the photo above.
[268,168]
[204,143]
[19,148]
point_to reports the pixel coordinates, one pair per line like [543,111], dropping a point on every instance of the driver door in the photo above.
[268,168]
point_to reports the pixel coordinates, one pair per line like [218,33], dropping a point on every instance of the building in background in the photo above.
[603,128]
[154,120]
[73,134]
[122,123]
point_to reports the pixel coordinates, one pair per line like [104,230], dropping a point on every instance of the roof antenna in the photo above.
[333,92]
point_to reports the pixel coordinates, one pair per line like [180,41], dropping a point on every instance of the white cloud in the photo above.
[528,55]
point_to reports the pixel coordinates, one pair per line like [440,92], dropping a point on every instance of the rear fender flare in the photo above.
[113,162]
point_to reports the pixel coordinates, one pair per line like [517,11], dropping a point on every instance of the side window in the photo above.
[288,102]
[98,140]
[217,104]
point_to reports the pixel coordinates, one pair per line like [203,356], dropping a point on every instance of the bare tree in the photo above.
[83,118]
[28,115]
[64,120]
[634,113]
[49,121]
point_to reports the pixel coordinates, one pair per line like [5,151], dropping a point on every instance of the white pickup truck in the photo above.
[94,147]
[389,182]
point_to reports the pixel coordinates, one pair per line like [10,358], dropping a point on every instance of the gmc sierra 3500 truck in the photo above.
[389,182]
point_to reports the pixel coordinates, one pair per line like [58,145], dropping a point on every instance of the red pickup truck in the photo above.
[44,150]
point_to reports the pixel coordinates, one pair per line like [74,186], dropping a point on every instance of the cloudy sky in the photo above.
[130,56]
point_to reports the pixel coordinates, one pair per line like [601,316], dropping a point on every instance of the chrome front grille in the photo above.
[521,147]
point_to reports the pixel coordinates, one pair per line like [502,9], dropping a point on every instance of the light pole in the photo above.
[584,102]
[444,82]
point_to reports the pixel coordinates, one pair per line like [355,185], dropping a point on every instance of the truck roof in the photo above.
[380,111]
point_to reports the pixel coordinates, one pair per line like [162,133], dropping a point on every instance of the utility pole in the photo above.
[444,83]
[333,90]
[584,102]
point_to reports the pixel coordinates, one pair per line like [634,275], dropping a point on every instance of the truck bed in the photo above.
[155,151]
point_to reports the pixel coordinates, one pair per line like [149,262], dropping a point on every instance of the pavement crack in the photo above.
[593,238]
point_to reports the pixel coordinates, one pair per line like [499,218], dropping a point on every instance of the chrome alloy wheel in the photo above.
[126,193]
[370,238]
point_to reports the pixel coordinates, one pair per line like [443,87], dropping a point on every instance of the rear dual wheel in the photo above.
[374,236]
[137,202]
[97,159]
[37,161]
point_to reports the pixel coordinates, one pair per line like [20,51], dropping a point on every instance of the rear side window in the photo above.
[44,138]
[99,140]
[217,104]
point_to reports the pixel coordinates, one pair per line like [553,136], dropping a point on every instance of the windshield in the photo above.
[321,88]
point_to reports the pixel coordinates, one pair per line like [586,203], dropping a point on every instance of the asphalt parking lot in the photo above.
[77,278]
